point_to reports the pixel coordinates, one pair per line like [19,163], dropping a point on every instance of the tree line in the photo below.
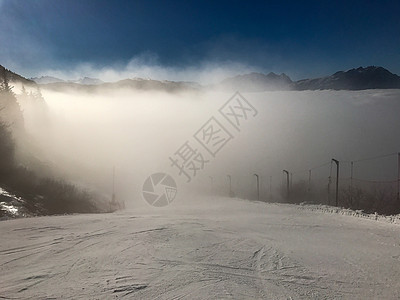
[41,194]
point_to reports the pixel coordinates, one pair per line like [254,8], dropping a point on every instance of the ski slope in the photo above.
[210,248]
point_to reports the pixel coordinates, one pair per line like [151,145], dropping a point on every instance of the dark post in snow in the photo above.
[258,187]
[351,183]
[287,182]
[270,187]
[113,202]
[337,180]
[309,181]
[230,185]
[398,176]
[113,189]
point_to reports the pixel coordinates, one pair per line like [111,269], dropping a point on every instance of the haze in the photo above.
[137,131]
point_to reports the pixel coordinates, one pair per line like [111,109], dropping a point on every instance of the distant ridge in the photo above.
[136,83]
[88,80]
[46,79]
[50,79]
[355,79]
[372,77]
[257,82]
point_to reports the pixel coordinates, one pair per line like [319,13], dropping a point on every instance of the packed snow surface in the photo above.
[211,248]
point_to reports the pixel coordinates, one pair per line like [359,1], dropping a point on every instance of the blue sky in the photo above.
[301,38]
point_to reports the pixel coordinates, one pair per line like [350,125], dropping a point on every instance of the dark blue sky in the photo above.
[300,38]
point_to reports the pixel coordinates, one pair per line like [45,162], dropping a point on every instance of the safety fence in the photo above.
[371,184]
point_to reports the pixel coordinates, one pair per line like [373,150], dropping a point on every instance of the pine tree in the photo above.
[11,114]
[6,141]
[6,149]
[38,95]
[23,91]
[5,87]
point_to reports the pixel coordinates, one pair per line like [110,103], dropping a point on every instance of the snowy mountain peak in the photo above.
[88,81]
[372,77]
[257,82]
[46,79]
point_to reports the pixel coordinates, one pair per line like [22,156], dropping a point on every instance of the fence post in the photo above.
[329,189]
[398,177]
[351,184]
[270,187]
[287,183]
[230,186]
[337,180]
[258,187]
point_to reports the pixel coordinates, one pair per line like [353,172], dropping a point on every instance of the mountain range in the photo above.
[355,79]
[50,79]
[256,82]
[372,77]
[135,83]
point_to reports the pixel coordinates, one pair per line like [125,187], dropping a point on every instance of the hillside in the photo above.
[16,77]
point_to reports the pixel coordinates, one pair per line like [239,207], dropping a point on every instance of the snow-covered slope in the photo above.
[214,248]
[12,206]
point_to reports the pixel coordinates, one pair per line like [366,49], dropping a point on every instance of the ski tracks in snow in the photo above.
[245,253]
